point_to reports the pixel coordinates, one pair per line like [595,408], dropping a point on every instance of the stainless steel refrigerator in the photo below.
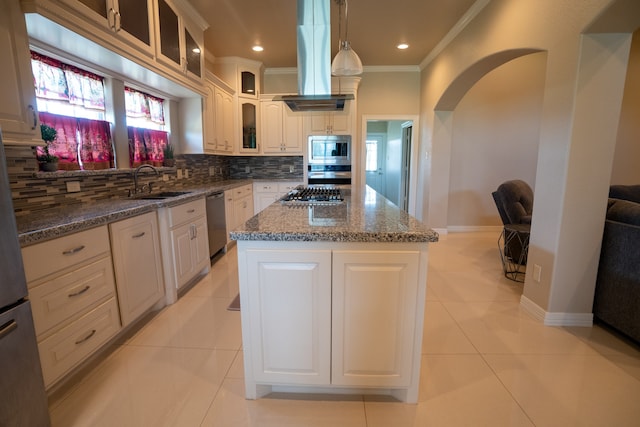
[23,401]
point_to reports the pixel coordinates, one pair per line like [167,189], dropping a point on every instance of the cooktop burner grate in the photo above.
[313,195]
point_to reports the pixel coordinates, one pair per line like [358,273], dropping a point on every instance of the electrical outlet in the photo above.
[291,169]
[73,186]
[186,173]
[212,170]
[165,177]
[247,169]
[537,273]
[179,173]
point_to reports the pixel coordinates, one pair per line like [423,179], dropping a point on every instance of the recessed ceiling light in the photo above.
[257,48]
[403,46]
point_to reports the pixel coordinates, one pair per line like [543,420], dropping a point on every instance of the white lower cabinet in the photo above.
[290,315]
[333,316]
[373,308]
[266,193]
[185,245]
[238,205]
[73,298]
[135,246]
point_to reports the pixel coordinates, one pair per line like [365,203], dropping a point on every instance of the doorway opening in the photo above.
[390,159]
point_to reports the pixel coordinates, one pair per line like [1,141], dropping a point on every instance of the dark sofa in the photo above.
[617,294]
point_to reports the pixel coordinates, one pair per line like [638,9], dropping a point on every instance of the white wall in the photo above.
[495,139]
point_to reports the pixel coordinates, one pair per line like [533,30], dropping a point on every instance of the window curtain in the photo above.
[96,151]
[146,146]
[56,80]
[80,143]
[65,146]
[142,105]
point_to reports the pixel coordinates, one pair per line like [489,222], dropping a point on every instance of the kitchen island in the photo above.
[332,297]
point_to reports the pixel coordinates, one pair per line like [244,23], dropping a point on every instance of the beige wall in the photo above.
[496,131]
[583,88]
[626,163]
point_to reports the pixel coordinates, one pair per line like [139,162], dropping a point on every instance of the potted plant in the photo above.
[47,161]
[169,160]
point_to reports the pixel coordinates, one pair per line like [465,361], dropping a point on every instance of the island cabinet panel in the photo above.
[374,309]
[290,315]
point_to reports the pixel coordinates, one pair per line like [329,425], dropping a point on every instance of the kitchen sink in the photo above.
[163,195]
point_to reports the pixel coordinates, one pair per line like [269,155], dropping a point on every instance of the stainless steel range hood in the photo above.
[314,61]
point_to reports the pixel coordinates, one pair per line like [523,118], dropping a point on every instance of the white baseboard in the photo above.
[557,318]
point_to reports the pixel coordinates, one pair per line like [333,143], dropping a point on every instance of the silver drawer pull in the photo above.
[73,251]
[89,335]
[7,328]
[137,236]
[80,292]
[191,211]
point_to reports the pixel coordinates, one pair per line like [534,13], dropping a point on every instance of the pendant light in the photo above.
[346,62]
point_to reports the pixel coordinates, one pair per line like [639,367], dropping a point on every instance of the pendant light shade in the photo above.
[346,62]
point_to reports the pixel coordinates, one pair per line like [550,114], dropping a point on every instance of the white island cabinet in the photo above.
[333,305]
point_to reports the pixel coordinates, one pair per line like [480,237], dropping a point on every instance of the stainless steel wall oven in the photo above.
[329,160]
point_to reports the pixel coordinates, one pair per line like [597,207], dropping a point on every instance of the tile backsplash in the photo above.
[34,191]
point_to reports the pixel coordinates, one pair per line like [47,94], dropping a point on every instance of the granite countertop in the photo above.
[53,223]
[364,216]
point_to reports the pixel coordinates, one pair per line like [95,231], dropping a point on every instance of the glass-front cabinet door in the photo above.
[179,47]
[128,20]
[249,115]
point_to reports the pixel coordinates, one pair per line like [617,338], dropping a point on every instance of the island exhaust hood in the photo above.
[314,61]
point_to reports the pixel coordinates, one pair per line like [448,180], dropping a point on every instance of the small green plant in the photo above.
[168,151]
[48,134]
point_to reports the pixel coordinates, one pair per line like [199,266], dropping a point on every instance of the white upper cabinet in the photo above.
[180,45]
[129,20]
[18,115]
[281,129]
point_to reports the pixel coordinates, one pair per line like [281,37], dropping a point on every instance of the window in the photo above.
[72,101]
[371,159]
[145,128]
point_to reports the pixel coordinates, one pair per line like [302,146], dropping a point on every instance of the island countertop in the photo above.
[363,216]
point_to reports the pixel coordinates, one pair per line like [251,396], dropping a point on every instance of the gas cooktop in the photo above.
[313,195]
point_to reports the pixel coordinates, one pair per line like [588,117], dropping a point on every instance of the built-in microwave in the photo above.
[330,150]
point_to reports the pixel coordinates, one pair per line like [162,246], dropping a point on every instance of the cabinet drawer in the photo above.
[265,187]
[65,296]
[48,257]
[245,190]
[186,212]
[71,345]
[285,187]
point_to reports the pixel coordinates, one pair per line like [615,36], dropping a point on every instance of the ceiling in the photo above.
[375,28]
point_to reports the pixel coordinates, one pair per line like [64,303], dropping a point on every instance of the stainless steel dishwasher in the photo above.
[216,222]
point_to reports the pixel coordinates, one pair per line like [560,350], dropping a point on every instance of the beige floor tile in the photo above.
[503,327]
[455,390]
[237,367]
[441,334]
[231,409]
[194,322]
[146,386]
[471,286]
[573,390]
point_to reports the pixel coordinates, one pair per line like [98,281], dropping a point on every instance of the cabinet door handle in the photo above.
[116,21]
[87,337]
[7,328]
[139,235]
[191,211]
[35,117]
[80,292]
[111,18]
[73,251]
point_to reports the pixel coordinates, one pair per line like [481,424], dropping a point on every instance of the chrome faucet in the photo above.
[137,189]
